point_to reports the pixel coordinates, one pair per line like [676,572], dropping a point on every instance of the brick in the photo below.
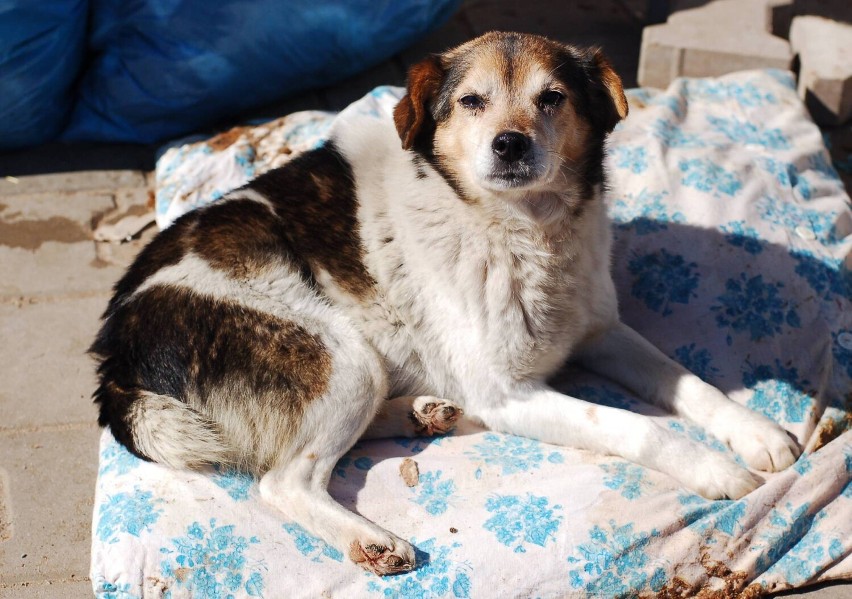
[711,40]
[47,377]
[64,182]
[824,48]
[50,589]
[47,246]
[50,478]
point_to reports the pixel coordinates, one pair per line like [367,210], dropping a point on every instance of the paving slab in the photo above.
[51,589]
[46,237]
[48,497]
[64,182]
[824,51]
[47,377]
[711,40]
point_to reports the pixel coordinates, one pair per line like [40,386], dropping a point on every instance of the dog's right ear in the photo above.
[411,116]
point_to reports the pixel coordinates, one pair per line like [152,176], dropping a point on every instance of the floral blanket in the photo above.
[731,254]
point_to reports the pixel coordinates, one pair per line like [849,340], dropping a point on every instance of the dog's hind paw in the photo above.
[433,416]
[383,557]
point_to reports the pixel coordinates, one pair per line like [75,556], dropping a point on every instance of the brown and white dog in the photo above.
[347,294]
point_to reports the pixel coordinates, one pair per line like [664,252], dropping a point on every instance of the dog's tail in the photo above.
[162,429]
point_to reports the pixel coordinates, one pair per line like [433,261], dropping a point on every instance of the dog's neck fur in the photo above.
[483,274]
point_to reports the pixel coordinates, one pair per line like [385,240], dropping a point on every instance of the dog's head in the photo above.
[509,114]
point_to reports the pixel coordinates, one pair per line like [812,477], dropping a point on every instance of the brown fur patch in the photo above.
[216,355]
[315,201]
[411,114]
[241,237]
[612,82]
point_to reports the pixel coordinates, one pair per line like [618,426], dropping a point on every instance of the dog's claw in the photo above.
[435,416]
[396,556]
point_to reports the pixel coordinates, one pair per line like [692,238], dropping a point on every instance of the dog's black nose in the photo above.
[510,146]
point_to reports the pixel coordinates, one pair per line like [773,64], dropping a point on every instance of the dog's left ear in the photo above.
[609,101]
[411,116]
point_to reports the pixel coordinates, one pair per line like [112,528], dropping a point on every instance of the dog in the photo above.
[410,270]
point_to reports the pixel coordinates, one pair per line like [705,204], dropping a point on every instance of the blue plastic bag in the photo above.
[163,68]
[41,50]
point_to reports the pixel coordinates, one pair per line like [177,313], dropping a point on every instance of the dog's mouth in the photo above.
[512,178]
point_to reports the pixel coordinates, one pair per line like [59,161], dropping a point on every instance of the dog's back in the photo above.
[214,345]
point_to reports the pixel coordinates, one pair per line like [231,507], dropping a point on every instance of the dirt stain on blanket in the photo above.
[832,428]
[728,584]
[225,140]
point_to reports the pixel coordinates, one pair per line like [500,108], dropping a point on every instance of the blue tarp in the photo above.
[163,68]
[41,50]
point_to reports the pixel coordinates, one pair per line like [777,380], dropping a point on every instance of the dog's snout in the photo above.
[510,146]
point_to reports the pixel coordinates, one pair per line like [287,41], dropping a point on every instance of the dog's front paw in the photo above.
[432,415]
[716,476]
[383,556]
[762,444]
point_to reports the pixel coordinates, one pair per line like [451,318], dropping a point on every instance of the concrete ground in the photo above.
[55,281]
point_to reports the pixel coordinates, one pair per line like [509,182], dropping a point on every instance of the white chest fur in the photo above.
[468,296]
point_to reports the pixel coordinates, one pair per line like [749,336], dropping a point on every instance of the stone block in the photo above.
[49,483]
[711,40]
[824,50]
[64,182]
[47,244]
[47,376]
[50,589]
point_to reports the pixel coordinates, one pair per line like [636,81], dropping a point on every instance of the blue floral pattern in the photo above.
[129,513]
[634,159]
[750,305]
[521,521]
[697,361]
[662,279]
[433,493]
[440,575]
[512,454]
[237,484]
[627,479]
[707,176]
[311,546]
[777,392]
[644,213]
[614,562]
[211,562]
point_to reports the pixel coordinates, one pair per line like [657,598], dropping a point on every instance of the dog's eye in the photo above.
[550,99]
[472,101]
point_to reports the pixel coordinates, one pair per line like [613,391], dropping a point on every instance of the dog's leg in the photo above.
[625,356]
[413,416]
[542,413]
[298,488]
[298,481]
